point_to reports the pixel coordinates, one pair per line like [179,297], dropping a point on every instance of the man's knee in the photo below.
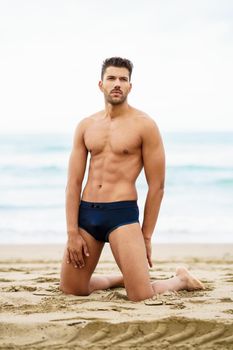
[140,297]
[74,290]
[134,295]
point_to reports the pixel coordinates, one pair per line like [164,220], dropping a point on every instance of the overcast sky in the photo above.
[51,53]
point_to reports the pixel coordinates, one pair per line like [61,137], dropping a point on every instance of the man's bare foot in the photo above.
[189,281]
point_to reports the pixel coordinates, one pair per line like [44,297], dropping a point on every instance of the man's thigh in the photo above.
[76,280]
[129,251]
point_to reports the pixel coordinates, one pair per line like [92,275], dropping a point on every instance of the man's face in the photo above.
[115,85]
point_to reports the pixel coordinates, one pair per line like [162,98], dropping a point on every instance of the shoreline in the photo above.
[160,251]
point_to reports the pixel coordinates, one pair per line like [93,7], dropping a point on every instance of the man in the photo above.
[121,140]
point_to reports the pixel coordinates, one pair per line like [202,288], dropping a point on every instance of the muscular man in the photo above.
[121,140]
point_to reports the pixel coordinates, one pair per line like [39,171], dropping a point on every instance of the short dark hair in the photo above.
[117,62]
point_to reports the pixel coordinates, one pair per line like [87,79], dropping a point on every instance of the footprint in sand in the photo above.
[19,289]
[5,280]
[115,296]
[155,334]
[46,279]
[226,300]
[169,333]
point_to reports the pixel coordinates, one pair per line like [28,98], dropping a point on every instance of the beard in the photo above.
[114,101]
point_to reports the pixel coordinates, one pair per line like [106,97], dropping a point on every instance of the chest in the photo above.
[119,137]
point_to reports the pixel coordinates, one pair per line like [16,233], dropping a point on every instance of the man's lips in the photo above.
[116,92]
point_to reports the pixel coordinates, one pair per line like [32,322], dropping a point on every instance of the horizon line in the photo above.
[41,131]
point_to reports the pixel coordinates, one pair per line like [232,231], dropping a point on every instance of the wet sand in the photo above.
[35,314]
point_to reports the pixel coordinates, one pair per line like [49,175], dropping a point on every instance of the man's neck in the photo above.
[116,111]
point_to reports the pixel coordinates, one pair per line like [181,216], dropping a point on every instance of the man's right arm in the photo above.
[77,164]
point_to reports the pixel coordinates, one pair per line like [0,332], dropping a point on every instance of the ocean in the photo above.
[197,204]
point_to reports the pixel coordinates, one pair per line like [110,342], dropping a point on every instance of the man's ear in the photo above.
[100,85]
[130,87]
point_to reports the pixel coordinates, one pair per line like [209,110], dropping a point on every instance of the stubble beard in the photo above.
[115,102]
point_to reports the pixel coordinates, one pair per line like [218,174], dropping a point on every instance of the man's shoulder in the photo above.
[86,121]
[95,116]
[144,119]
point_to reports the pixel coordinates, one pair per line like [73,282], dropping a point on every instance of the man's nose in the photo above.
[117,83]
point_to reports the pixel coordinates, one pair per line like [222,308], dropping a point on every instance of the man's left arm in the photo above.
[154,166]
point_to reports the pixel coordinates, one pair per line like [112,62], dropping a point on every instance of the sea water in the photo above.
[196,207]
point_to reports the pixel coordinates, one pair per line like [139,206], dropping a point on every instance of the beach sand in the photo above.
[36,315]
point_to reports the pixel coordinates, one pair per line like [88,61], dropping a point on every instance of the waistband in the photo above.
[109,205]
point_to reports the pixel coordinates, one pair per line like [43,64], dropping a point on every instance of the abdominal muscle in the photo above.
[109,192]
[111,183]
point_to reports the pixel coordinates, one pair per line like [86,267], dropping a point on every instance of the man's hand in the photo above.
[148,250]
[76,247]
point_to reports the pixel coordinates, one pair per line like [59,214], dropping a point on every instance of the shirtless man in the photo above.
[121,140]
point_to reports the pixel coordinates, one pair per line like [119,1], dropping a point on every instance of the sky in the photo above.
[51,52]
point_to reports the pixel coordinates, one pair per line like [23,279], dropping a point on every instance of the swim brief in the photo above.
[100,219]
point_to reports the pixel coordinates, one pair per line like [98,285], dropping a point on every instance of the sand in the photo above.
[36,315]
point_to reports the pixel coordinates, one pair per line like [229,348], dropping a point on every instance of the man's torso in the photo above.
[115,146]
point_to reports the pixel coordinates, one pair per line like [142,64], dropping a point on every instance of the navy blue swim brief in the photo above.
[100,219]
